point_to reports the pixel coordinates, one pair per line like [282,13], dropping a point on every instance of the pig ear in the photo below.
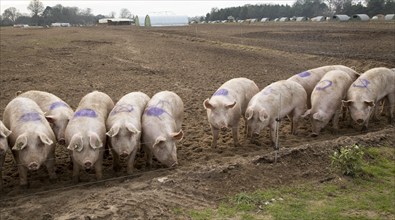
[369,103]
[132,128]
[45,139]
[76,143]
[95,141]
[178,136]
[50,119]
[207,104]
[317,116]
[249,113]
[346,103]
[20,142]
[231,105]
[263,116]
[113,131]
[5,133]
[307,113]
[158,140]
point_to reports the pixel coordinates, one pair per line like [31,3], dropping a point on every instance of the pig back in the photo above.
[97,101]
[45,100]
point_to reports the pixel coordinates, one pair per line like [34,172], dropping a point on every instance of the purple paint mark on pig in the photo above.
[31,116]
[86,112]
[223,92]
[361,83]
[304,74]
[122,108]
[57,105]
[327,83]
[154,111]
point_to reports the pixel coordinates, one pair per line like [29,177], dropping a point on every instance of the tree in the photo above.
[10,14]
[112,14]
[36,7]
[125,13]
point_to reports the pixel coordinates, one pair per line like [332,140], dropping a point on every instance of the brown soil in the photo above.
[192,61]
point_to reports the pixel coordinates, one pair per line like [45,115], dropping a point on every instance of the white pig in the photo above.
[86,133]
[227,105]
[57,112]
[124,128]
[308,79]
[367,91]
[326,100]
[32,138]
[4,133]
[161,124]
[265,107]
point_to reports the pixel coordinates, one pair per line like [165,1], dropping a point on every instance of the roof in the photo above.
[166,20]
[341,17]
[301,19]
[105,20]
[319,18]
[284,19]
[264,19]
[390,17]
[361,17]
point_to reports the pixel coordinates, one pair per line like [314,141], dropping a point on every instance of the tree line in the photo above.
[41,15]
[305,8]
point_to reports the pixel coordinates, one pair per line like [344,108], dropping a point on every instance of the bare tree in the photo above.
[36,7]
[11,14]
[125,13]
[112,14]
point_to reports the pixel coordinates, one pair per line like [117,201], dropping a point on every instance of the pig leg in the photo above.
[76,172]
[130,163]
[99,168]
[272,132]
[335,122]
[235,135]
[148,155]
[22,176]
[246,131]
[50,164]
[215,136]
[116,166]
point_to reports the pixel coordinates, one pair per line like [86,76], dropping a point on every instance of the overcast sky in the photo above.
[178,7]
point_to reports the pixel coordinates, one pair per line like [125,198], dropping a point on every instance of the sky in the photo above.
[178,7]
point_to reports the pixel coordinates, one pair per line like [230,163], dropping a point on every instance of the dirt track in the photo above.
[192,61]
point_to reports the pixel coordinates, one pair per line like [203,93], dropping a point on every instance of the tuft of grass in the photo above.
[370,196]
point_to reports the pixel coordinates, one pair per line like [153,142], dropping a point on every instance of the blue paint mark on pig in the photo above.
[326,83]
[304,74]
[221,92]
[361,83]
[154,111]
[57,105]
[86,112]
[31,116]
[267,91]
[122,108]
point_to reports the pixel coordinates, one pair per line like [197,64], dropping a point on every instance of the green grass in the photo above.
[371,196]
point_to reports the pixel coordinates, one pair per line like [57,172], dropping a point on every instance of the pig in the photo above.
[161,127]
[326,100]
[308,79]
[57,112]
[32,138]
[265,108]
[124,128]
[86,133]
[227,105]
[4,133]
[367,91]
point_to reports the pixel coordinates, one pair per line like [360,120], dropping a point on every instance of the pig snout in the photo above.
[62,141]
[314,134]
[33,166]
[88,165]
[124,154]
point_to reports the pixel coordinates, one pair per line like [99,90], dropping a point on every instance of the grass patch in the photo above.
[369,196]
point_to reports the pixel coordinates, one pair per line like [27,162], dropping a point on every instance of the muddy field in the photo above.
[192,61]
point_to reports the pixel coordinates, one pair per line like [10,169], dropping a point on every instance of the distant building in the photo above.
[389,17]
[319,18]
[115,21]
[341,17]
[165,20]
[360,17]
[60,25]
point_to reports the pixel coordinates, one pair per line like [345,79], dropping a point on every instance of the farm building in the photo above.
[115,21]
[301,19]
[319,18]
[284,19]
[360,17]
[138,21]
[341,17]
[378,17]
[389,17]
[276,19]
[60,25]
[165,20]
[265,19]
